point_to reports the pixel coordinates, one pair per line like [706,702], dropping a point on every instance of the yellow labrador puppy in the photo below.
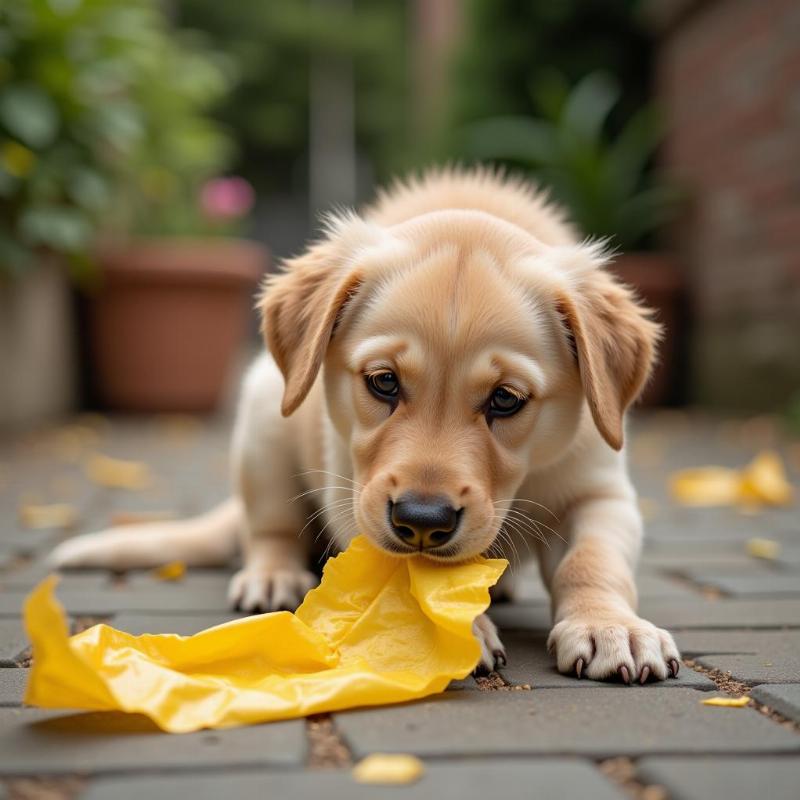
[449,370]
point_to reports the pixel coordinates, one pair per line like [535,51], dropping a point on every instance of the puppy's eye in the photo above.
[504,402]
[384,385]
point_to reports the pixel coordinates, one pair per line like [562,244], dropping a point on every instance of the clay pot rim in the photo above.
[183,260]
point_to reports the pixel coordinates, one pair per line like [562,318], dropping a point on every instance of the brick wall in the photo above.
[728,76]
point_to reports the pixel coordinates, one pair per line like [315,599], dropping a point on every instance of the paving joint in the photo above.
[327,748]
[622,771]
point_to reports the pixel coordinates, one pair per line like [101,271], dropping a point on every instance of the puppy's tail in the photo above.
[205,541]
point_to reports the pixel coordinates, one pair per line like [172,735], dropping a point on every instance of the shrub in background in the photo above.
[103,126]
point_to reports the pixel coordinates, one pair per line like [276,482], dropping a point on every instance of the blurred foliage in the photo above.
[606,182]
[508,44]
[511,103]
[273,43]
[102,124]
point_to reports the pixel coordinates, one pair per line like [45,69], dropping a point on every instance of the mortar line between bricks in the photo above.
[327,748]
[728,685]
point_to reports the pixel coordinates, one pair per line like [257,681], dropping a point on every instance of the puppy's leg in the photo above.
[493,653]
[597,632]
[275,574]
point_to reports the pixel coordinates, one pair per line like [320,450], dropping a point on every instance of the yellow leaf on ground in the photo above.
[391,768]
[56,515]
[762,482]
[174,571]
[727,702]
[763,548]
[118,474]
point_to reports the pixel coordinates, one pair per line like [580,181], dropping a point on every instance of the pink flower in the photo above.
[226,198]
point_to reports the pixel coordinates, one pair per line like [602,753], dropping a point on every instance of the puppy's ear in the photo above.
[299,311]
[615,340]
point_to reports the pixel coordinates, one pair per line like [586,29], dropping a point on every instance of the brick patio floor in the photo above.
[736,619]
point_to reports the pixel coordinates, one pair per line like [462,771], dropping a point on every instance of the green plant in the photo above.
[103,125]
[606,182]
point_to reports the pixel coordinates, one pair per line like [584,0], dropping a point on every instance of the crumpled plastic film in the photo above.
[377,630]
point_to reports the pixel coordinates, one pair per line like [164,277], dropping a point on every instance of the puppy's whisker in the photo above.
[325,489]
[531,502]
[338,504]
[332,474]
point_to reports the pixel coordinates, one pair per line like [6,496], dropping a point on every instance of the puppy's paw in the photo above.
[626,647]
[269,589]
[493,654]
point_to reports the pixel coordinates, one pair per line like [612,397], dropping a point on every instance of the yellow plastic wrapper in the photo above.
[762,482]
[378,629]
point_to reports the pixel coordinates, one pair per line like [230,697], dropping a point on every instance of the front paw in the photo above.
[257,589]
[493,654]
[619,645]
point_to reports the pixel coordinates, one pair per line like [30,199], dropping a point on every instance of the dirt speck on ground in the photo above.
[723,680]
[327,749]
[495,682]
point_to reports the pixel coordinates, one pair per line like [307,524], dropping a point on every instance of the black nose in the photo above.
[423,522]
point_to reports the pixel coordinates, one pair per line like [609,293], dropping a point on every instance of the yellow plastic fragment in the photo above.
[727,702]
[55,515]
[762,482]
[388,768]
[174,571]
[116,473]
[768,549]
[378,629]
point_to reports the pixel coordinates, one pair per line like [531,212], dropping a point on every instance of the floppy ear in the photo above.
[299,311]
[615,343]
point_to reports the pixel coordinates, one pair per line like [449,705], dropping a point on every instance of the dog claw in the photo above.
[644,676]
[579,667]
[674,667]
[625,675]
[500,659]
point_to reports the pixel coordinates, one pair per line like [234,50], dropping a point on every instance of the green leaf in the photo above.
[589,105]
[29,115]
[529,142]
[59,227]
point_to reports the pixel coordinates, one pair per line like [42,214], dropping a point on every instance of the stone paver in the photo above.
[12,686]
[182,624]
[468,736]
[13,642]
[162,598]
[784,698]
[45,742]
[766,585]
[477,780]
[753,669]
[722,778]
[599,723]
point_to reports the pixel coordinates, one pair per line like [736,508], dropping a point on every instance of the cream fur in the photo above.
[459,281]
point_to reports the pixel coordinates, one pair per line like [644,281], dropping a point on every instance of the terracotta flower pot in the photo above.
[169,320]
[659,281]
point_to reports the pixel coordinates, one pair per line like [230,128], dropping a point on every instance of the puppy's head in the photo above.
[460,354]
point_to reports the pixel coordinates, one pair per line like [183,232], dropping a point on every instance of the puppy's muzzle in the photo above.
[422,522]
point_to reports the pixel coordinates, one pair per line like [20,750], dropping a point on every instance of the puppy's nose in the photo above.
[423,522]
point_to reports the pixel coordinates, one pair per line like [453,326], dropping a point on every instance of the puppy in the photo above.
[447,373]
